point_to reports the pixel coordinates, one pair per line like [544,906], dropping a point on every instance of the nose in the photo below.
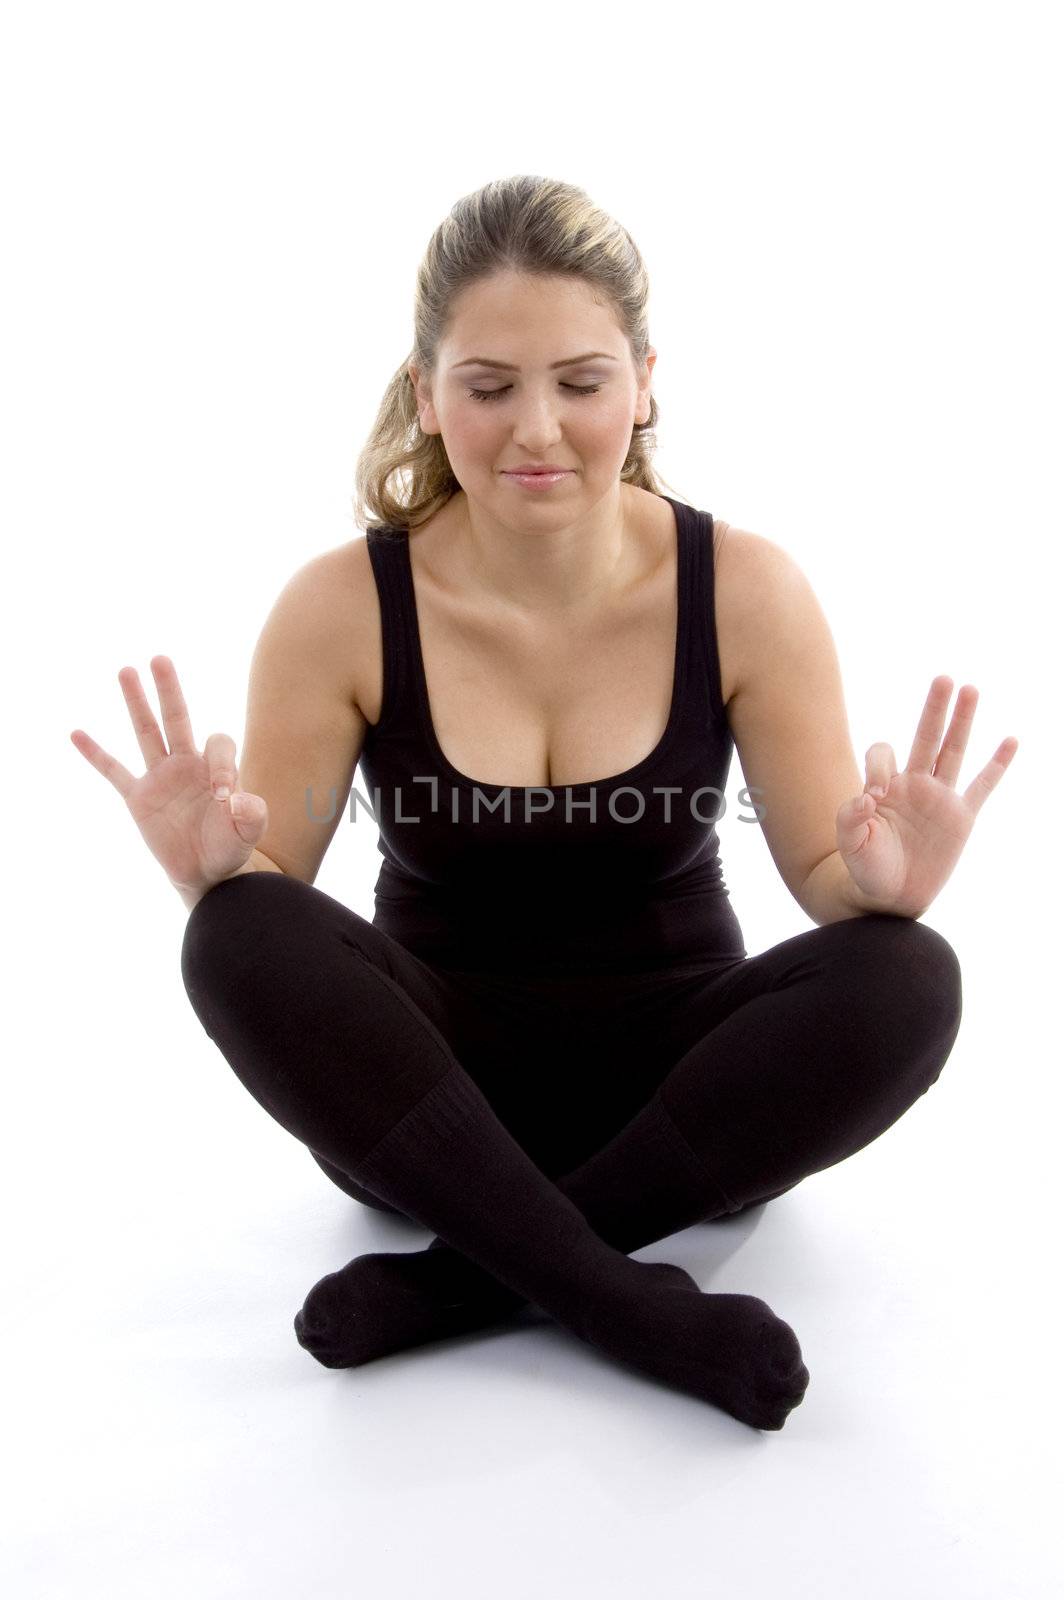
[537,428]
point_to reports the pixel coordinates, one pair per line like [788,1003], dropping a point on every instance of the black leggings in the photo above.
[772,1067]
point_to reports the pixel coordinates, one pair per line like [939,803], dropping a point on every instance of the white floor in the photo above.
[167,1436]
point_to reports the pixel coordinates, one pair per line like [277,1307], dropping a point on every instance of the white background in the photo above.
[213,218]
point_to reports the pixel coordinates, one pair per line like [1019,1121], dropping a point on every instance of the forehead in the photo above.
[513,306]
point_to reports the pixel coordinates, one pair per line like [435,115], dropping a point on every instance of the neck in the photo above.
[547,571]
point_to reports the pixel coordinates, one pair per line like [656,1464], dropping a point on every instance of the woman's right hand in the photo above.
[183,803]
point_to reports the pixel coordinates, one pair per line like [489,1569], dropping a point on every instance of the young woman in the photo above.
[550,1045]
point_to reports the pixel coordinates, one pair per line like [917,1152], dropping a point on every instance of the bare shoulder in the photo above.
[768,614]
[755,570]
[336,596]
[364,629]
[741,559]
[739,562]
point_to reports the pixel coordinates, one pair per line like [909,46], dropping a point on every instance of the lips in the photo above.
[538,481]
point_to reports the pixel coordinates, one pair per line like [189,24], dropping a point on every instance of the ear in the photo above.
[643,402]
[425,408]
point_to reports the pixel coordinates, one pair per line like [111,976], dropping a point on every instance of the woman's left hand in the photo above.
[902,837]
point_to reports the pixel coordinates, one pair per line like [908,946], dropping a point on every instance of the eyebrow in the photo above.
[506,366]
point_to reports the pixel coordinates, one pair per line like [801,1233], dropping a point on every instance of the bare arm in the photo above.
[788,717]
[303,728]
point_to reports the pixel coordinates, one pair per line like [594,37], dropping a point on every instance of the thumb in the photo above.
[852,819]
[248,812]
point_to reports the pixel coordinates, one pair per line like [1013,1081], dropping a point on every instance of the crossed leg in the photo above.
[312,1007]
[782,1065]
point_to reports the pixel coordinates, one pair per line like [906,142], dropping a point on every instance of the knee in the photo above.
[931,974]
[918,980]
[343,1180]
[229,925]
[249,896]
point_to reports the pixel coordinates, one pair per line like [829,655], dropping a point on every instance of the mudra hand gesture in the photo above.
[183,803]
[901,838]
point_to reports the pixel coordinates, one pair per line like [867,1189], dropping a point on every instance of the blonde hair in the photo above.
[526,224]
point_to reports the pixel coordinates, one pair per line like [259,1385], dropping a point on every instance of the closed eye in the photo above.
[493,394]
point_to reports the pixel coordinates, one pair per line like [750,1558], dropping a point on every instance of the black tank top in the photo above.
[619,875]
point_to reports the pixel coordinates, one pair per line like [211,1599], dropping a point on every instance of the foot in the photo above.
[382,1303]
[390,1301]
[729,1349]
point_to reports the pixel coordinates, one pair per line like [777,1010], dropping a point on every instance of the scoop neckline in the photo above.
[462,779]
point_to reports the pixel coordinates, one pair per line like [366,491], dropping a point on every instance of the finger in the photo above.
[985,782]
[115,773]
[880,767]
[929,728]
[176,719]
[152,745]
[948,763]
[854,814]
[220,753]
